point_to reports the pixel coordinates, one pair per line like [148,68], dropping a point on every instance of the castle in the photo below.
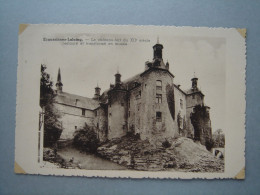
[148,104]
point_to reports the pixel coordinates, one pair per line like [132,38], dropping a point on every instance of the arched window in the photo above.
[158,85]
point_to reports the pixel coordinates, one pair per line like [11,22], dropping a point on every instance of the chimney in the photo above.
[167,65]
[112,86]
[97,93]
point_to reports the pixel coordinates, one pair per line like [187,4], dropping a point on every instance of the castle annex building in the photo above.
[148,104]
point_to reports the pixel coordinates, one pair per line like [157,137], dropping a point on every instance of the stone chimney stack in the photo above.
[167,65]
[97,93]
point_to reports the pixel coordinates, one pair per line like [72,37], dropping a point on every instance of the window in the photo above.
[110,114]
[181,123]
[129,113]
[97,125]
[158,98]
[122,103]
[129,104]
[83,112]
[181,103]
[193,96]
[158,117]
[138,95]
[76,127]
[158,85]
[96,113]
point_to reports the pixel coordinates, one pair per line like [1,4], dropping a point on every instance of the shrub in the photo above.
[209,144]
[86,140]
[166,144]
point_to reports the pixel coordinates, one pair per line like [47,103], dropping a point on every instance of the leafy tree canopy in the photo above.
[52,125]
[86,140]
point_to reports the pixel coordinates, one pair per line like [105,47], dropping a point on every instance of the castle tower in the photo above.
[194,83]
[117,109]
[59,83]
[117,79]
[97,93]
[157,50]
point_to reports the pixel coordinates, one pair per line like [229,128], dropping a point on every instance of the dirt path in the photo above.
[88,161]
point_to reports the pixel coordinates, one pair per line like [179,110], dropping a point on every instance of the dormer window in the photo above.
[158,85]
[76,102]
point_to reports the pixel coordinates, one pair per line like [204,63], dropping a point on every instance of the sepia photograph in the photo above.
[145,102]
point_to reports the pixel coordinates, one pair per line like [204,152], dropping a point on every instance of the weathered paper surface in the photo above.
[131,101]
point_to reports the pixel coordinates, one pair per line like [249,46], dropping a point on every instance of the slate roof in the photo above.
[191,91]
[129,83]
[76,101]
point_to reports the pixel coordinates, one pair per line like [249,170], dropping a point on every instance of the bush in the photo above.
[86,140]
[166,144]
[209,144]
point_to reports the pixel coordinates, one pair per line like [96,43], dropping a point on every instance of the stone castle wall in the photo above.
[143,109]
[180,111]
[117,114]
[100,121]
[72,119]
[191,101]
[135,110]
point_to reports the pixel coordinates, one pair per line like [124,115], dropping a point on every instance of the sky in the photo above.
[85,66]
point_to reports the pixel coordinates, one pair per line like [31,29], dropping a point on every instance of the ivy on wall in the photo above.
[170,99]
[202,129]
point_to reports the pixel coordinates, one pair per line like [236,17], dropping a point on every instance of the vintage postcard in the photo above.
[131,101]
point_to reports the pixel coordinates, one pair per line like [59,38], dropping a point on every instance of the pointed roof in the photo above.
[194,76]
[59,77]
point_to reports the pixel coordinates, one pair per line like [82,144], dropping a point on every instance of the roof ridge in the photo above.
[77,95]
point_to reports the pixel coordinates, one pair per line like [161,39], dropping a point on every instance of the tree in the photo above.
[85,139]
[52,125]
[202,129]
[219,138]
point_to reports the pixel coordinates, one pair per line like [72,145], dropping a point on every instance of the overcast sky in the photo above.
[82,67]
